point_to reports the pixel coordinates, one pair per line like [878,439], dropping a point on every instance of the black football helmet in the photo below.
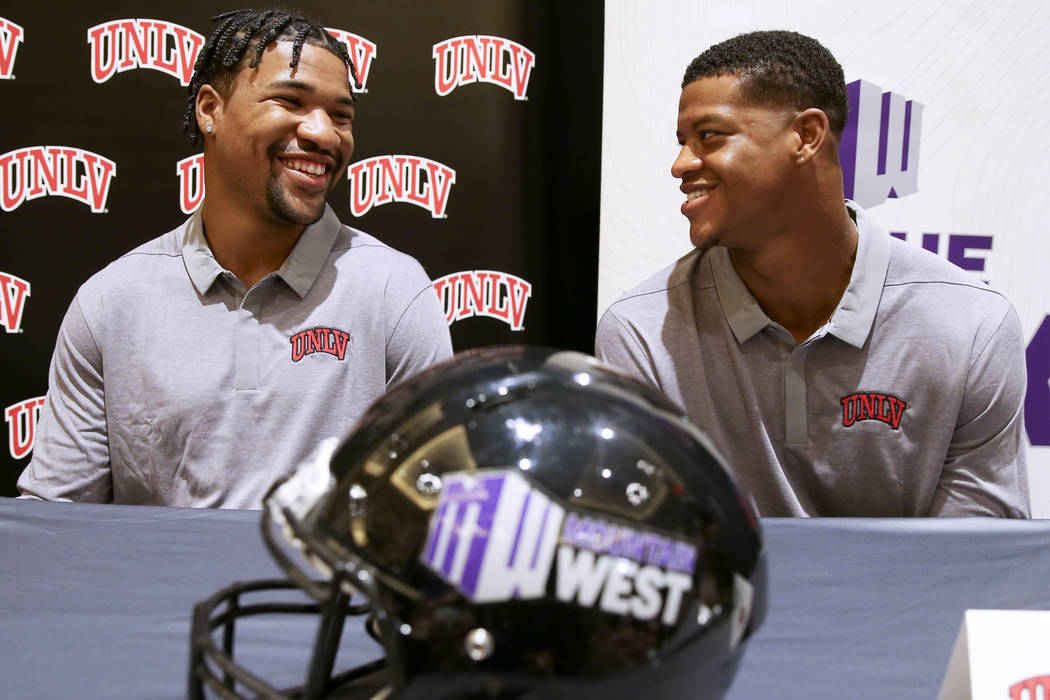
[517,522]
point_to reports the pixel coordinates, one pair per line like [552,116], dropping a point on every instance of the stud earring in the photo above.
[210,128]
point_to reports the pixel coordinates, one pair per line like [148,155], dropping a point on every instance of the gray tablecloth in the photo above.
[95,601]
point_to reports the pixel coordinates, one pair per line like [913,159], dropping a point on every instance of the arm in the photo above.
[985,471]
[71,451]
[419,337]
[617,344]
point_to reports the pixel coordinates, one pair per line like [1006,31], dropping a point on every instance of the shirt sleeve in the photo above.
[618,345]
[985,471]
[70,459]
[419,338]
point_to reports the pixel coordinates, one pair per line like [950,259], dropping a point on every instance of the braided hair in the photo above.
[241,32]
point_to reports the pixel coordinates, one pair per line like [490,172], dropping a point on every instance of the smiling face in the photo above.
[282,136]
[736,165]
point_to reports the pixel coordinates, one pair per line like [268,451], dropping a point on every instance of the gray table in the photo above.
[95,601]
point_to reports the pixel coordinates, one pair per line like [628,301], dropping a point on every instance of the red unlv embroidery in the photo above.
[327,340]
[872,406]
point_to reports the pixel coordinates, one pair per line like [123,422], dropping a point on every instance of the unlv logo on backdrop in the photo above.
[21,425]
[383,179]
[14,291]
[880,145]
[1031,685]
[484,293]
[331,341]
[191,182]
[10,38]
[483,59]
[124,44]
[872,406]
[36,171]
[361,51]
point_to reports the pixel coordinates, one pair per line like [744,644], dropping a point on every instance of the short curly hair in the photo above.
[238,31]
[780,69]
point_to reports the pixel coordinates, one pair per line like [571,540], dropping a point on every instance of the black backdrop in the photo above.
[524,202]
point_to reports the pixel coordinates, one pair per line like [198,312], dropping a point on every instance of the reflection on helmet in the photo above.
[524,523]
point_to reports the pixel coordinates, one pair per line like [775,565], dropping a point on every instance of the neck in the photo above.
[798,278]
[247,246]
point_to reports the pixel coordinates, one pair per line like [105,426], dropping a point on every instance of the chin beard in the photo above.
[282,207]
[708,243]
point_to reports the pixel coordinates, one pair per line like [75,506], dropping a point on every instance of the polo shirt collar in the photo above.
[855,314]
[299,270]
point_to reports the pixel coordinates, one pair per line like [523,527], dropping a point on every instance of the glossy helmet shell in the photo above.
[534,521]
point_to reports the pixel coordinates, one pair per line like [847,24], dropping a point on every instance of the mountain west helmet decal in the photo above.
[872,406]
[496,537]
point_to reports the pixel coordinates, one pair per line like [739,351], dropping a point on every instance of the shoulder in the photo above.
[372,257]
[139,266]
[918,272]
[661,290]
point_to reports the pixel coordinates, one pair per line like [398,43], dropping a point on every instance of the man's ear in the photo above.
[209,108]
[812,133]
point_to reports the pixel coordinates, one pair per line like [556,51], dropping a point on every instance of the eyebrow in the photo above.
[307,87]
[709,118]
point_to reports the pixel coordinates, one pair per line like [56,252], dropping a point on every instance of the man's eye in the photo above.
[288,99]
[341,118]
[706,134]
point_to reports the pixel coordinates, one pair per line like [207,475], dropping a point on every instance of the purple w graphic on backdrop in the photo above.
[493,536]
[880,145]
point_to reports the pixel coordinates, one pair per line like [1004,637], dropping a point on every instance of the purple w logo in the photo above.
[493,536]
[880,145]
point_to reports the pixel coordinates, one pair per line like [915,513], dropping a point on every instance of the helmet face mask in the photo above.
[530,521]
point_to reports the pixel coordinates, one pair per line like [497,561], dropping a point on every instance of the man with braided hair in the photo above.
[198,368]
[839,370]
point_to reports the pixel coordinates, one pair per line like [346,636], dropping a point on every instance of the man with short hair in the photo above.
[839,370]
[200,367]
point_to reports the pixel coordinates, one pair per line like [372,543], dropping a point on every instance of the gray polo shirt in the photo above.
[908,402]
[173,384]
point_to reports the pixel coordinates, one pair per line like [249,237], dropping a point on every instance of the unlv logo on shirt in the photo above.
[484,293]
[331,341]
[383,179]
[482,59]
[13,291]
[872,406]
[36,171]
[124,44]
[21,425]
[191,182]
[10,38]
[361,51]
